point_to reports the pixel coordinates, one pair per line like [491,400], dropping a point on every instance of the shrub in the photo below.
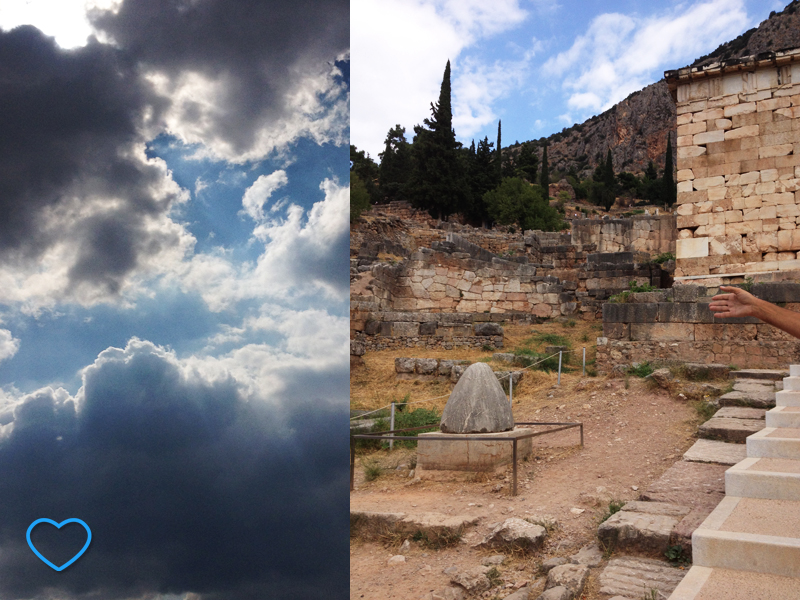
[613,507]
[641,370]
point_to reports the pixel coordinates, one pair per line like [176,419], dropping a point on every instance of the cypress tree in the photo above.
[609,182]
[395,167]
[544,181]
[670,192]
[499,154]
[438,182]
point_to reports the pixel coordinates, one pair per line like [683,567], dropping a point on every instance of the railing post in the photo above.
[514,460]
[584,361]
[559,367]
[581,435]
[391,428]
[510,387]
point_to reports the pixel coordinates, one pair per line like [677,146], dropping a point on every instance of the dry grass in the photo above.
[376,385]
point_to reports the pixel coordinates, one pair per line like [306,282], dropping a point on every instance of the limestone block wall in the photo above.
[677,326]
[738,127]
[655,234]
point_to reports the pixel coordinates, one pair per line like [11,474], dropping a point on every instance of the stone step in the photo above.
[726,584]
[783,416]
[642,527]
[762,397]
[712,451]
[774,442]
[750,534]
[740,412]
[787,398]
[634,577]
[371,524]
[729,430]
[769,374]
[771,478]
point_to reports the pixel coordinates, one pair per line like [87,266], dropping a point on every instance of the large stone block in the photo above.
[691,248]
[684,312]
[630,312]
[462,453]
[662,332]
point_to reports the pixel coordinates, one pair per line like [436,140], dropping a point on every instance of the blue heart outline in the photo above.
[59,526]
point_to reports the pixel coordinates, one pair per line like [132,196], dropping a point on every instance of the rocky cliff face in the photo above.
[636,129]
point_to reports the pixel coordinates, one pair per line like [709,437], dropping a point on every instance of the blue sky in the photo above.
[538,65]
[174,239]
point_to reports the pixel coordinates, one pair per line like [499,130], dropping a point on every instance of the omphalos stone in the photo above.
[477,404]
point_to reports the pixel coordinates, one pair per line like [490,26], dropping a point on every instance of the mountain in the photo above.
[636,128]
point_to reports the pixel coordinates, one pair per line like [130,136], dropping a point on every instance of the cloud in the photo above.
[305,253]
[8,344]
[398,76]
[257,194]
[620,54]
[188,480]
[81,206]
[243,79]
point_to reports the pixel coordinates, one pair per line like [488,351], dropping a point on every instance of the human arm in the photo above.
[736,302]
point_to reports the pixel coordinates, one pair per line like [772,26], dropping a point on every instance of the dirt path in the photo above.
[631,437]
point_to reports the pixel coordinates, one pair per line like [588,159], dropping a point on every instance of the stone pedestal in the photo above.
[445,457]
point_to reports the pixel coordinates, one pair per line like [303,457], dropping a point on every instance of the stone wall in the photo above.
[738,165]
[676,325]
[654,234]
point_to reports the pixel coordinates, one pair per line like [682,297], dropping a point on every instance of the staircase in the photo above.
[749,546]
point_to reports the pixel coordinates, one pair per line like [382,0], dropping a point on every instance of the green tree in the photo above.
[527,164]
[544,180]
[438,180]
[515,201]
[482,178]
[367,171]
[359,197]
[396,163]
[498,154]
[669,190]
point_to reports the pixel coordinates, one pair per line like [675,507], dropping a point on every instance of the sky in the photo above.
[537,65]
[174,240]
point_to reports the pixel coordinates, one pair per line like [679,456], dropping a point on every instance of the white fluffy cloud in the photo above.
[304,254]
[8,345]
[620,54]
[257,194]
[402,47]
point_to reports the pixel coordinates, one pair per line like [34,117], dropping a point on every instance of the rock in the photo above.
[588,555]
[700,372]
[404,365]
[488,329]
[502,357]
[730,430]
[396,560]
[497,559]
[551,563]
[405,547]
[473,580]
[628,577]
[456,372]
[477,404]
[515,533]
[637,532]
[710,451]
[556,593]
[520,594]
[450,570]
[357,348]
[662,377]
[572,577]
[448,593]
[426,366]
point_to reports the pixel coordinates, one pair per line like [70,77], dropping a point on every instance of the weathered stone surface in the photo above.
[689,484]
[769,374]
[426,366]
[556,593]
[741,412]
[487,329]
[637,532]
[697,371]
[730,430]
[497,559]
[662,377]
[656,508]
[521,594]
[404,365]
[712,451]
[357,348]
[753,399]
[473,580]
[503,357]
[590,555]
[515,533]
[396,560]
[477,404]
[634,577]
[572,577]
[448,593]
[550,563]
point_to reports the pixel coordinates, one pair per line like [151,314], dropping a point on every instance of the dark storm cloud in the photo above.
[68,123]
[261,51]
[186,487]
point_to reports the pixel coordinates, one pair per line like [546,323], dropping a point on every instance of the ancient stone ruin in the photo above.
[477,404]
